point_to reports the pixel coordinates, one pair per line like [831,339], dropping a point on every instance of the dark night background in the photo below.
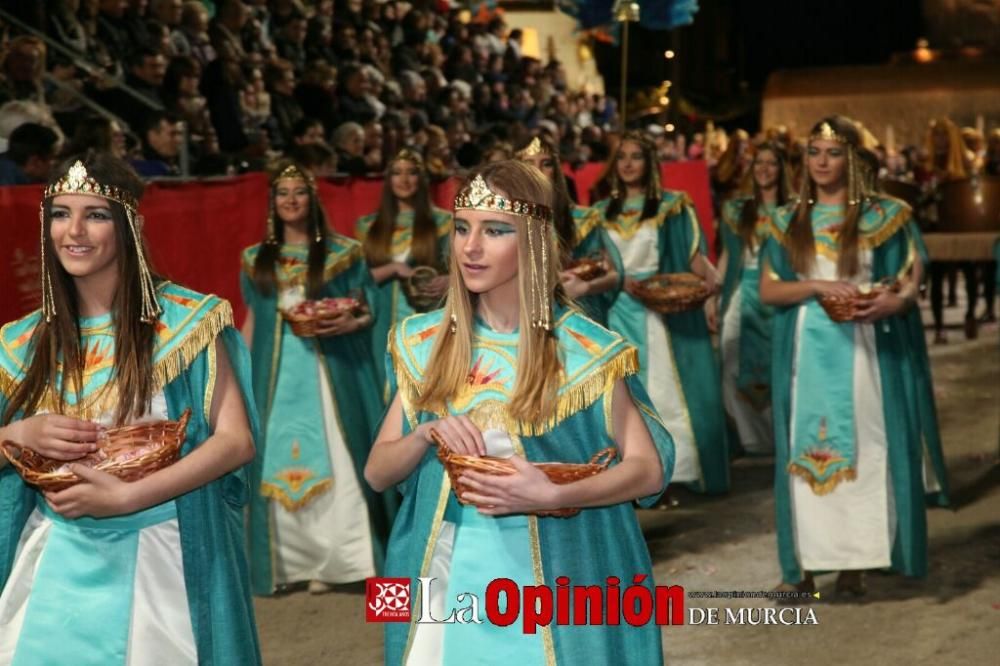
[724,58]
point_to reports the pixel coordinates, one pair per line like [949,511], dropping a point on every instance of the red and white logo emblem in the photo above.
[387,600]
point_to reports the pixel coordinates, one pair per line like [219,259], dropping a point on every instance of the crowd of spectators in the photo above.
[340,84]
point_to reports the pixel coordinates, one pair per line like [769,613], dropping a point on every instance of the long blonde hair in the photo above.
[538,365]
[954,167]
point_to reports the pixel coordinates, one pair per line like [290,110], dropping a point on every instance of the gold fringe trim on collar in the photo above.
[587,225]
[7,384]
[275,492]
[331,269]
[183,354]
[822,487]
[165,370]
[494,413]
[888,229]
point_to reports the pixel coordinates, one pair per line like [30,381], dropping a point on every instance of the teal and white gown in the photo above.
[677,362]
[165,585]
[464,551]
[848,483]
[313,517]
[746,333]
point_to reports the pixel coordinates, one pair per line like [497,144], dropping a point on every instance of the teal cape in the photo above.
[210,517]
[755,317]
[921,384]
[883,227]
[348,360]
[680,240]
[592,241]
[390,305]
[589,547]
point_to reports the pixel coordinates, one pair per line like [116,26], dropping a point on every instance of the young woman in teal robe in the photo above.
[581,236]
[848,477]
[746,322]
[657,231]
[112,572]
[312,517]
[406,232]
[504,370]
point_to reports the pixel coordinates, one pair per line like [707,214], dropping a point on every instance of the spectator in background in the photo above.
[64,26]
[158,38]
[31,151]
[22,70]
[319,158]
[145,76]
[182,98]
[222,84]
[279,79]
[316,94]
[16,113]
[319,40]
[353,88]
[162,137]
[167,12]
[307,130]
[290,42]
[225,29]
[99,134]
[349,142]
[112,30]
[191,37]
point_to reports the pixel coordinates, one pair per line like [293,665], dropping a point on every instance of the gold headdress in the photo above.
[409,155]
[293,172]
[538,218]
[532,149]
[827,133]
[78,181]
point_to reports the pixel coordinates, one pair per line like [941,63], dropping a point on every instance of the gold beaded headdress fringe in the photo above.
[78,181]
[538,218]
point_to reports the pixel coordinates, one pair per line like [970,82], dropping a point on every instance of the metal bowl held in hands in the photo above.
[670,293]
[415,288]
[129,452]
[559,473]
[305,317]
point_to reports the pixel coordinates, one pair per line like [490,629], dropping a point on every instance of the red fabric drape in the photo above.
[197,230]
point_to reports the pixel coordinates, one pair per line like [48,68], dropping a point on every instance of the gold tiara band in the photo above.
[78,181]
[533,149]
[827,133]
[477,195]
[409,155]
[292,172]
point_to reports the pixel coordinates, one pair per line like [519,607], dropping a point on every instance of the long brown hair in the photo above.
[538,367]
[57,342]
[563,204]
[801,241]
[650,177]
[264,267]
[749,212]
[423,244]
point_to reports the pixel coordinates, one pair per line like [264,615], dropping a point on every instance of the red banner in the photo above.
[197,229]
